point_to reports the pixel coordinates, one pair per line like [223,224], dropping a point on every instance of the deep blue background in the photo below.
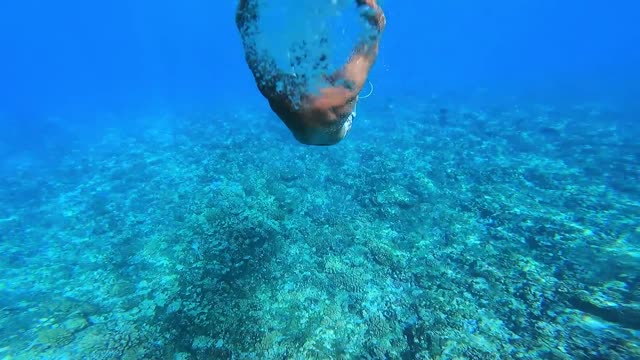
[79,60]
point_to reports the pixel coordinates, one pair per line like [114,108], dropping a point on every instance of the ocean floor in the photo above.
[431,232]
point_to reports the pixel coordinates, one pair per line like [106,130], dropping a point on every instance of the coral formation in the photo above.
[470,233]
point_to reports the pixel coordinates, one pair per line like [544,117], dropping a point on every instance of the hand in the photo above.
[374,14]
[371,3]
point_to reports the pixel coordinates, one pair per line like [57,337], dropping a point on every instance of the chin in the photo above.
[318,139]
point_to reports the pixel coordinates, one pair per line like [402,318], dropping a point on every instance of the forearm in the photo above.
[374,16]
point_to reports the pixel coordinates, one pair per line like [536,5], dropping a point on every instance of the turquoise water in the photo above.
[484,206]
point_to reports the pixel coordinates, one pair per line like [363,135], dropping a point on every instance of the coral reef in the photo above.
[432,232]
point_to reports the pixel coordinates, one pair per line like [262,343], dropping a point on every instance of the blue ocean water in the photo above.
[484,206]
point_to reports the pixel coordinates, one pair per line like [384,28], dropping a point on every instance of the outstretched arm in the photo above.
[263,67]
[348,82]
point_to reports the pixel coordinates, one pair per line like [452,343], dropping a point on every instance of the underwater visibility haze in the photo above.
[484,205]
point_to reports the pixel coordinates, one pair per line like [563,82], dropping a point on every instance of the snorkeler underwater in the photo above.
[325,116]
